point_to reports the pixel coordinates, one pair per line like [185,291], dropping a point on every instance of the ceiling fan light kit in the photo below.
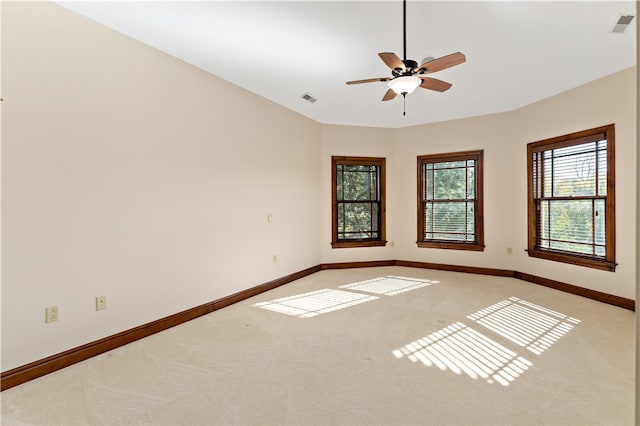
[407,75]
[404,85]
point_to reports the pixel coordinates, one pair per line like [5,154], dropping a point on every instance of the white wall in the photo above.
[130,174]
[355,142]
[609,100]
[504,138]
[494,135]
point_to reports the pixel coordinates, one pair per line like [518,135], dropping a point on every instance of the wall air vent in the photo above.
[622,23]
[308,97]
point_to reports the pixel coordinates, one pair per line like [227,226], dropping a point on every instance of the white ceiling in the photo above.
[517,52]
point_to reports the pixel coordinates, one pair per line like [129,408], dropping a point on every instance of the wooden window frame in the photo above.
[534,250]
[478,244]
[363,161]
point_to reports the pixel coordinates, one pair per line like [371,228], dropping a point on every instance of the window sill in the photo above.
[573,259]
[451,246]
[352,244]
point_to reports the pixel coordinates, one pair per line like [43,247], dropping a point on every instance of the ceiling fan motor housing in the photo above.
[409,63]
[409,68]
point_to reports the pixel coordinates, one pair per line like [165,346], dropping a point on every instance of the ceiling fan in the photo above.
[406,75]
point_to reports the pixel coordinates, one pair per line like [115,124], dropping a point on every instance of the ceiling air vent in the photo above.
[307,97]
[622,23]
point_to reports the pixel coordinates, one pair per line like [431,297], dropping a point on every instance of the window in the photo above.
[450,201]
[571,198]
[358,201]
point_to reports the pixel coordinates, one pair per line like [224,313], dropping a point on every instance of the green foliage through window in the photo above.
[449,201]
[358,199]
[571,197]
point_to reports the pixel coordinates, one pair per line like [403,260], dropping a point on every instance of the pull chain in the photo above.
[404,104]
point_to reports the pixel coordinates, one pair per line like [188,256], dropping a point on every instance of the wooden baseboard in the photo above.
[350,265]
[422,265]
[39,368]
[558,285]
[458,268]
[610,299]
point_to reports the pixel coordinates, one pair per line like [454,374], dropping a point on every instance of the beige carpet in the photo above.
[406,346]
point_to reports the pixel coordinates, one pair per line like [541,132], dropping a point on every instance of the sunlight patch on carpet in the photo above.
[526,324]
[315,303]
[461,349]
[390,285]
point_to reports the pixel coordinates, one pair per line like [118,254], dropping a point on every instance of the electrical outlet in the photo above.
[269,217]
[101,303]
[509,250]
[275,258]
[51,314]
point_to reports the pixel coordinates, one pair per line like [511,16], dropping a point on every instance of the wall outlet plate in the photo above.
[51,314]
